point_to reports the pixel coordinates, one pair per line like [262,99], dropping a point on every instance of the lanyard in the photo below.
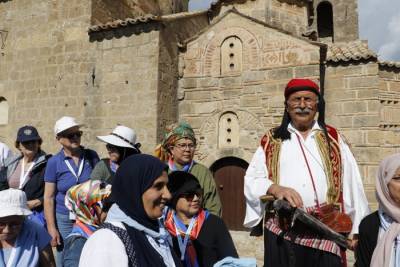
[73,171]
[309,171]
[23,176]
[183,243]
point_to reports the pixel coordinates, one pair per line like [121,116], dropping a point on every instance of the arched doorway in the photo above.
[229,177]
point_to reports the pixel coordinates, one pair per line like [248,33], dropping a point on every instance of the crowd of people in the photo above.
[132,209]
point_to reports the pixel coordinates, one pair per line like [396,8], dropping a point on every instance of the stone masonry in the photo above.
[146,64]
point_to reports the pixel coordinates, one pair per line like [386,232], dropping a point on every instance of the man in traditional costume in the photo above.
[307,163]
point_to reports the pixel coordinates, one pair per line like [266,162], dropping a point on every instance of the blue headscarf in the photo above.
[135,175]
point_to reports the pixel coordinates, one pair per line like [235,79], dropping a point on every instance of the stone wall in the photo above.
[104,11]
[167,109]
[251,91]
[127,82]
[353,107]
[51,67]
[46,64]
[291,16]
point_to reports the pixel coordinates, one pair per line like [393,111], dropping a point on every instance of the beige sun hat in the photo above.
[13,202]
[121,136]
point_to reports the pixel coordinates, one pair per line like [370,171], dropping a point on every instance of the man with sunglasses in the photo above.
[307,163]
[71,166]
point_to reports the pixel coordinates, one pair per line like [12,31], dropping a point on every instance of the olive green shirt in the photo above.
[102,172]
[211,201]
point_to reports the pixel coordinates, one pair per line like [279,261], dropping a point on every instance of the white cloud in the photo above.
[379,22]
[391,49]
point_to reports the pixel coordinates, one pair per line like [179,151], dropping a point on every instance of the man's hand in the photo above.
[353,243]
[289,194]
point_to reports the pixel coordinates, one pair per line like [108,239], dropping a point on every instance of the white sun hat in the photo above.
[13,202]
[65,123]
[121,136]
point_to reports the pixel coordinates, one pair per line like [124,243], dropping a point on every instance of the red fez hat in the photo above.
[296,85]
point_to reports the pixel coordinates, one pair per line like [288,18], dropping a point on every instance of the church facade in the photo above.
[146,64]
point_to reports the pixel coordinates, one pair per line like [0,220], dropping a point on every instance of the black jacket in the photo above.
[368,238]
[34,188]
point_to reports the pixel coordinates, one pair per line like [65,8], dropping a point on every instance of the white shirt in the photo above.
[294,174]
[5,152]
[104,249]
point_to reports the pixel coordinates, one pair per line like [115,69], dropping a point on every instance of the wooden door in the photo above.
[229,178]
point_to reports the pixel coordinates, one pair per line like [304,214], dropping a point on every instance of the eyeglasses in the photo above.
[307,100]
[72,135]
[189,196]
[183,147]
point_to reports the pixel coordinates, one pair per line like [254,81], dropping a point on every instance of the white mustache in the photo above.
[305,110]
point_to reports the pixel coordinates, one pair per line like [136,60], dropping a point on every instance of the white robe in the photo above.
[294,174]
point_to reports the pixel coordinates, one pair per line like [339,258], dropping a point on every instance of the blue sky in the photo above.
[379,22]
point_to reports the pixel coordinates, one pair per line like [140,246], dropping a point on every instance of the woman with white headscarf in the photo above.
[379,232]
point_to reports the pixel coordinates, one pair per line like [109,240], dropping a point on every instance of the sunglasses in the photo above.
[189,196]
[72,135]
[26,143]
[12,225]
[110,147]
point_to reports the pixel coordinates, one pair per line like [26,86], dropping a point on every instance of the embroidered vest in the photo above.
[331,159]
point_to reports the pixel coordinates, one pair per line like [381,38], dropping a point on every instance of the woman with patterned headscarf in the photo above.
[85,202]
[177,148]
[379,232]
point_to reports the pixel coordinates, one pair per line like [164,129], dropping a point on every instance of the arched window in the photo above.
[325,21]
[231,56]
[3,111]
[228,134]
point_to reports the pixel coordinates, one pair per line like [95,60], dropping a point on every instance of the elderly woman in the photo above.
[178,149]
[26,170]
[85,201]
[379,232]
[23,243]
[199,238]
[72,165]
[120,144]
[133,234]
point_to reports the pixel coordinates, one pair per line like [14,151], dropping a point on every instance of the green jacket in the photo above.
[211,200]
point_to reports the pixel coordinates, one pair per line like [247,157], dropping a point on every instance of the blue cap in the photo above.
[28,133]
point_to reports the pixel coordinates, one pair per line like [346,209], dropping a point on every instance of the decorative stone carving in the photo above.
[249,127]
[212,56]
[231,56]
[3,38]
[228,130]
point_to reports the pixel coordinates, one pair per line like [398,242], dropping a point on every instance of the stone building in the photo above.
[148,63]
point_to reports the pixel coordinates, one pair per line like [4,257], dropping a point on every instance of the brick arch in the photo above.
[212,56]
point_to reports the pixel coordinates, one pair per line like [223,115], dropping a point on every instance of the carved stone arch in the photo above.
[251,129]
[212,55]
